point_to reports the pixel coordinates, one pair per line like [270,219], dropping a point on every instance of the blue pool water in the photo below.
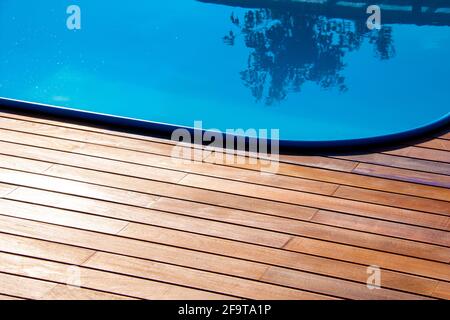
[313,77]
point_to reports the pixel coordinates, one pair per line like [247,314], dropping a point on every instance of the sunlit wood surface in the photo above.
[88,213]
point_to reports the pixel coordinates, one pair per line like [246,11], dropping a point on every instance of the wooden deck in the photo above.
[114,214]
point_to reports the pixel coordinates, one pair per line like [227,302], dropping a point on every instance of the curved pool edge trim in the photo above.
[165,130]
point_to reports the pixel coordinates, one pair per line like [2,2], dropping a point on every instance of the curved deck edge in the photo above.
[165,130]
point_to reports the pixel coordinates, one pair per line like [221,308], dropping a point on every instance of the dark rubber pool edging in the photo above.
[165,130]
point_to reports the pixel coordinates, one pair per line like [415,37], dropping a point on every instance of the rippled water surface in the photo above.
[315,77]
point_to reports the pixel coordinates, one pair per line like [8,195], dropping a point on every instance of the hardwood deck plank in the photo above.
[391,160]
[142,171]
[76,188]
[167,220]
[230,248]
[287,226]
[105,139]
[111,209]
[160,168]
[439,237]
[422,153]
[66,133]
[131,247]
[343,289]
[158,189]
[71,136]
[263,290]
[98,280]
[13,122]
[73,124]
[166,162]
[15,163]
[23,287]
[281,225]
[442,290]
[248,289]
[320,162]
[6,189]
[5,298]
[349,179]
[88,162]
[394,200]
[89,190]
[152,217]
[140,218]
[61,217]
[308,229]
[147,233]
[436,142]
[43,249]
[440,270]
[391,278]
[316,231]
[440,144]
[445,136]
[170,176]
[107,193]
[324,266]
[317,201]
[404,175]
[211,170]
[91,130]
[67,293]
[197,210]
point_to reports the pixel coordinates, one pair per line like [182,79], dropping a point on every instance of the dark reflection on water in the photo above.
[289,49]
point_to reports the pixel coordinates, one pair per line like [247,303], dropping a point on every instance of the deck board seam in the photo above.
[297,177]
[415,182]
[55,282]
[403,167]
[235,194]
[227,179]
[256,280]
[198,250]
[292,235]
[308,221]
[166,141]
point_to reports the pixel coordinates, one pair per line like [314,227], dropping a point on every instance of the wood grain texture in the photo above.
[419,177]
[65,292]
[343,178]
[440,144]
[23,287]
[394,200]
[422,153]
[198,279]
[392,160]
[5,189]
[442,291]
[445,136]
[97,280]
[137,221]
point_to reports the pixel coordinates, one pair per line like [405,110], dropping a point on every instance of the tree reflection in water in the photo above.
[289,49]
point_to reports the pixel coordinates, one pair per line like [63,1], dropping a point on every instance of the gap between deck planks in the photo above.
[77,135]
[103,140]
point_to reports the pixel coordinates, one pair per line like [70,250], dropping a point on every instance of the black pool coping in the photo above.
[163,130]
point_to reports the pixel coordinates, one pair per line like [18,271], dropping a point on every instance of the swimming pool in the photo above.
[319,75]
